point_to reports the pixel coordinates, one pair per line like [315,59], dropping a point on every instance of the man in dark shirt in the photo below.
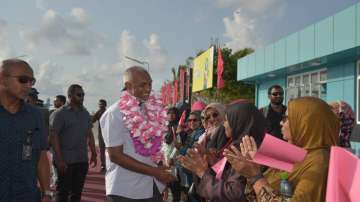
[96,117]
[275,111]
[71,134]
[23,159]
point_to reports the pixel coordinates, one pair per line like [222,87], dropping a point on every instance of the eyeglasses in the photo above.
[214,115]
[25,79]
[80,94]
[277,94]
[192,120]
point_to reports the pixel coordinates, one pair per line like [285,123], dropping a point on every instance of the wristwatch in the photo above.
[255,178]
[47,193]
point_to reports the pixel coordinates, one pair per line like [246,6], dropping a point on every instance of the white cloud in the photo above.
[255,6]
[129,46]
[80,15]
[157,56]
[149,51]
[64,35]
[4,46]
[241,28]
[241,31]
[50,80]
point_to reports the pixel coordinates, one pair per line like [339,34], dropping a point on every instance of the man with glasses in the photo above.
[71,134]
[275,111]
[23,159]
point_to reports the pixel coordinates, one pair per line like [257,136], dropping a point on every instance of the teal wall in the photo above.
[341,83]
[331,35]
[356,148]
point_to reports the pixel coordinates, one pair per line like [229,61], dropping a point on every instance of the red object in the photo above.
[198,106]
[220,70]
[188,90]
[170,93]
[175,96]
[182,118]
[182,83]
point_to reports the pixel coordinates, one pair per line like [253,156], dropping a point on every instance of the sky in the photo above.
[86,41]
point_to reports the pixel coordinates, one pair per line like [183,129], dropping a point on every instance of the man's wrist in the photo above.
[47,193]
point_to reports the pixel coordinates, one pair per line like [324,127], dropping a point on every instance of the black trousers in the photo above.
[157,197]
[102,149]
[70,184]
[175,189]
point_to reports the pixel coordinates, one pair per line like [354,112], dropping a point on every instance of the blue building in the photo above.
[322,60]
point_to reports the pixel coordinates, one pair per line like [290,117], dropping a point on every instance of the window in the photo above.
[307,84]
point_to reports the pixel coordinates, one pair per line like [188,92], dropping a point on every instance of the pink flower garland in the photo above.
[147,129]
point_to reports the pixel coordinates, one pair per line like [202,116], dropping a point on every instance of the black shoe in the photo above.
[103,169]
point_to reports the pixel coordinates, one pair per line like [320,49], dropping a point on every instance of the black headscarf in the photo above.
[245,119]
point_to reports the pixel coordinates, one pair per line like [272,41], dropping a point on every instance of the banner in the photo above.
[203,71]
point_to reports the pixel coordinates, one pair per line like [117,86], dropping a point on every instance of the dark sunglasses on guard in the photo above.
[25,79]
[80,94]
[277,94]
[214,115]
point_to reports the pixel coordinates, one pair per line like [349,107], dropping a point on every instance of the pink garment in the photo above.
[198,106]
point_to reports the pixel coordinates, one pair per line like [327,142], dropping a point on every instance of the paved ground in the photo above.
[94,190]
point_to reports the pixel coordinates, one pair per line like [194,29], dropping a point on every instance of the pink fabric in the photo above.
[198,106]
[218,168]
[278,154]
[343,177]
[220,70]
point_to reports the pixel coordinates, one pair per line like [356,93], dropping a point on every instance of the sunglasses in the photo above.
[214,115]
[25,79]
[192,120]
[277,94]
[80,94]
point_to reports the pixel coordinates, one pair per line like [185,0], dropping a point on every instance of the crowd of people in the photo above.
[152,153]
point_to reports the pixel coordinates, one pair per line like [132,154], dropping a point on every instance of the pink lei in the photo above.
[147,129]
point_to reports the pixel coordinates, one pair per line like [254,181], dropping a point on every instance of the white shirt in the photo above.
[120,181]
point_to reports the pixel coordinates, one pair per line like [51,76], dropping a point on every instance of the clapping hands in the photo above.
[241,161]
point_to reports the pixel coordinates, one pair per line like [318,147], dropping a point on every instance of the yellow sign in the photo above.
[203,71]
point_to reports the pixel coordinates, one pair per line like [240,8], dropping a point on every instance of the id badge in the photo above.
[27,146]
[27,152]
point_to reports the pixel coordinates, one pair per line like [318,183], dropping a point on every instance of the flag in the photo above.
[175,95]
[182,83]
[182,118]
[220,70]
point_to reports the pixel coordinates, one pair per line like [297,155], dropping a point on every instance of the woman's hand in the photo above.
[241,160]
[248,147]
[194,162]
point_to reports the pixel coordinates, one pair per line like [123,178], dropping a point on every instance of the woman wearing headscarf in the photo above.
[241,119]
[214,136]
[346,115]
[309,123]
